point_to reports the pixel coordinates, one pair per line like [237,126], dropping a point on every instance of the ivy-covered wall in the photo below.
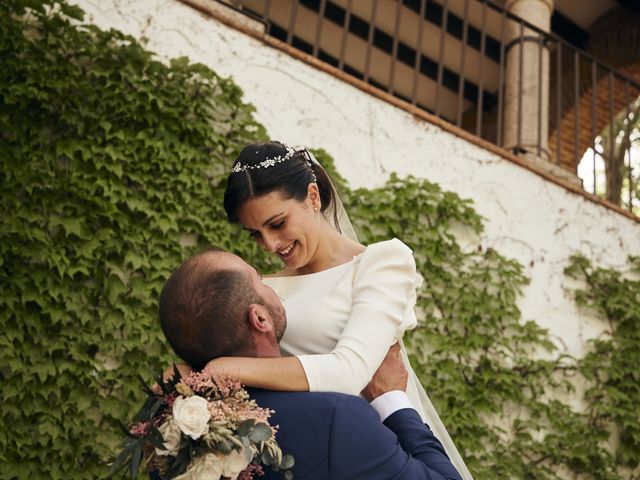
[111,171]
[113,165]
[527,217]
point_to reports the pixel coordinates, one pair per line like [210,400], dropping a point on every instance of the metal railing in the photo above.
[481,68]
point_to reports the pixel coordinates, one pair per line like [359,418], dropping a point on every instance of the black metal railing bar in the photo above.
[578,96]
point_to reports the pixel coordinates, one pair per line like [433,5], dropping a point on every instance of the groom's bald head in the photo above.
[203,308]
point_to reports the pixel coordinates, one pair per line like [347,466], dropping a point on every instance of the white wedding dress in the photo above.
[341,322]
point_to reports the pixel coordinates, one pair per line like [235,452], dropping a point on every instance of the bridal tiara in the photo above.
[239,167]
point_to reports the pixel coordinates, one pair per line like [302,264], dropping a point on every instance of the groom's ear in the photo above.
[259,318]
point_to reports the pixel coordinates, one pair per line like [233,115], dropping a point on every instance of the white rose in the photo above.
[235,462]
[204,467]
[171,435]
[192,416]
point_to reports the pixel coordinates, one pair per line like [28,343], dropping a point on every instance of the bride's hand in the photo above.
[168,373]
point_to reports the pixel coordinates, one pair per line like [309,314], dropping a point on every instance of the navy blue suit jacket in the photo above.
[338,436]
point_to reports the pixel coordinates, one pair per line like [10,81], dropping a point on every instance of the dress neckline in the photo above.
[316,274]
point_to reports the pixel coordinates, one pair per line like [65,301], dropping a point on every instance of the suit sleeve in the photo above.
[363,448]
[384,290]
[410,431]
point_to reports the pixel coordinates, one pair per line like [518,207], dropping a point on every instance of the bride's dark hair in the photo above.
[291,177]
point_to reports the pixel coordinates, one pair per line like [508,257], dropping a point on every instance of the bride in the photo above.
[346,303]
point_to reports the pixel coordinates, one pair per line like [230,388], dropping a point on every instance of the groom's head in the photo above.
[216,305]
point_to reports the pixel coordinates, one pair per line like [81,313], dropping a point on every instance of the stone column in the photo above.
[526,101]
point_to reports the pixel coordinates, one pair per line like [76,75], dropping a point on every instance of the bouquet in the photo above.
[201,428]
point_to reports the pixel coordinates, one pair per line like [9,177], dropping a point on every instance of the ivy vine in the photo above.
[612,366]
[113,167]
[111,174]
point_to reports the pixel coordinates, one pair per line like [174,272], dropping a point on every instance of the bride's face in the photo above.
[286,227]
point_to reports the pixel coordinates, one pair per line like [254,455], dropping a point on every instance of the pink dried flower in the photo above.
[227,386]
[170,399]
[199,382]
[252,470]
[140,429]
[237,410]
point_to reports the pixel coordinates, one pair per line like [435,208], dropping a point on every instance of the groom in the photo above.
[216,305]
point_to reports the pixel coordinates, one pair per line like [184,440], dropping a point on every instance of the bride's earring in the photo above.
[315,212]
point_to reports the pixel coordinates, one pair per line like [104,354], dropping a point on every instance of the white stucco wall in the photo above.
[527,218]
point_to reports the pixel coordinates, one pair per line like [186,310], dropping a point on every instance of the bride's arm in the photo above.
[384,286]
[283,374]
[383,291]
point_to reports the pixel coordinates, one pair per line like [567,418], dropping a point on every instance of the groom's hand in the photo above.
[391,375]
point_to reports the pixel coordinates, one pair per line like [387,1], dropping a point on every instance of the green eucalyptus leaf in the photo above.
[260,433]
[287,462]
[245,428]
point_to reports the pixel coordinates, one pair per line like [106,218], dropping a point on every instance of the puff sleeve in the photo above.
[384,294]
